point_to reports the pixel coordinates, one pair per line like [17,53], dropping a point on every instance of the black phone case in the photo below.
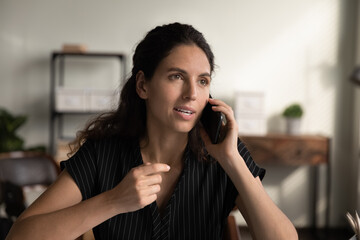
[211,122]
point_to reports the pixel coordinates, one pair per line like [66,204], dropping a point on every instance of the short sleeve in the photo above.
[231,191]
[82,168]
[253,167]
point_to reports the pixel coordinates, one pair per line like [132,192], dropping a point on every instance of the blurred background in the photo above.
[286,51]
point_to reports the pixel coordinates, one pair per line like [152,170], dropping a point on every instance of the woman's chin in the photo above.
[185,129]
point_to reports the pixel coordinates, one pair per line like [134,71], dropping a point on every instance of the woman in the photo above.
[142,171]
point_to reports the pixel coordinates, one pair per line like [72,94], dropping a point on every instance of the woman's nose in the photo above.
[190,91]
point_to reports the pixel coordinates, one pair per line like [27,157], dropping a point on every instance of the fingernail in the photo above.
[168,167]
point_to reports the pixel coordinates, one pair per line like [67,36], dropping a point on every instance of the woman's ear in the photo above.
[141,85]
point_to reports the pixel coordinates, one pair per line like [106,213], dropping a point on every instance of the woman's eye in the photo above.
[175,77]
[204,82]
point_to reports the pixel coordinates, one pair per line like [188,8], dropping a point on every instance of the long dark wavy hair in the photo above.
[129,119]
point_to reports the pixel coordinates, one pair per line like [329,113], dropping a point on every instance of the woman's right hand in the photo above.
[139,187]
[61,205]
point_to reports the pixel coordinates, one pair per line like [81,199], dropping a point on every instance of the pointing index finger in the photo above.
[153,168]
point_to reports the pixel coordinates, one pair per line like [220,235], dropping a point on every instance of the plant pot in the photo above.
[293,126]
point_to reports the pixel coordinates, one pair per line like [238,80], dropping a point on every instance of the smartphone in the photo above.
[212,123]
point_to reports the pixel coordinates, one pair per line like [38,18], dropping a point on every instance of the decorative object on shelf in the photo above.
[355,224]
[9,140]
[293,114]
[9,124]
[250,112]
[85,100]
[74,48]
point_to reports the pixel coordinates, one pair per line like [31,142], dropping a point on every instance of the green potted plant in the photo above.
[293,114]
[9,140]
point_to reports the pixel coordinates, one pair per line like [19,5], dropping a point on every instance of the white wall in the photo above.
[292,50]
[355,187]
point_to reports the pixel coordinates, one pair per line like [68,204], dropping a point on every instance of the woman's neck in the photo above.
[161,148]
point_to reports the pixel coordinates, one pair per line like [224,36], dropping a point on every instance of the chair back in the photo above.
[26,168]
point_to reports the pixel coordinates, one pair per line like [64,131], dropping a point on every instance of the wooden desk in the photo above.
[286,150]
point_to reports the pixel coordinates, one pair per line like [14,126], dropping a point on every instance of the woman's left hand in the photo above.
[224,151]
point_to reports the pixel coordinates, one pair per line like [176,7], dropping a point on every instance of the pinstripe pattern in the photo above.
[197,209]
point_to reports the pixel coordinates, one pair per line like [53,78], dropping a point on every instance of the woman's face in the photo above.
[178,91]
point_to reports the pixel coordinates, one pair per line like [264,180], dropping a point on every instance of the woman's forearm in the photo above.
[68,218]
[67,223]
[264,218]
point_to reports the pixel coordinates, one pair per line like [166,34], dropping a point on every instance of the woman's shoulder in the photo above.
[115,143]
[110,141]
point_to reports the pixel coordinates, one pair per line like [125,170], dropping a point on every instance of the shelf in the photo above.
[87,54]
[79,112]
[278,149]
[76,102]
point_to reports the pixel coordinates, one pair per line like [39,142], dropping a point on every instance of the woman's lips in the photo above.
[186,113]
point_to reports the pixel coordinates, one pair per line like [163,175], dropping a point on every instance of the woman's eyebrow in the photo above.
[175,69]
[205,75]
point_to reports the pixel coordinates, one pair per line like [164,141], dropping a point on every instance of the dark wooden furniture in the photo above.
[231,231]
[286,150]
[28,168]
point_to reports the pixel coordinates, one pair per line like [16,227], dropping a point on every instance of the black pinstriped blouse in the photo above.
[197,209]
